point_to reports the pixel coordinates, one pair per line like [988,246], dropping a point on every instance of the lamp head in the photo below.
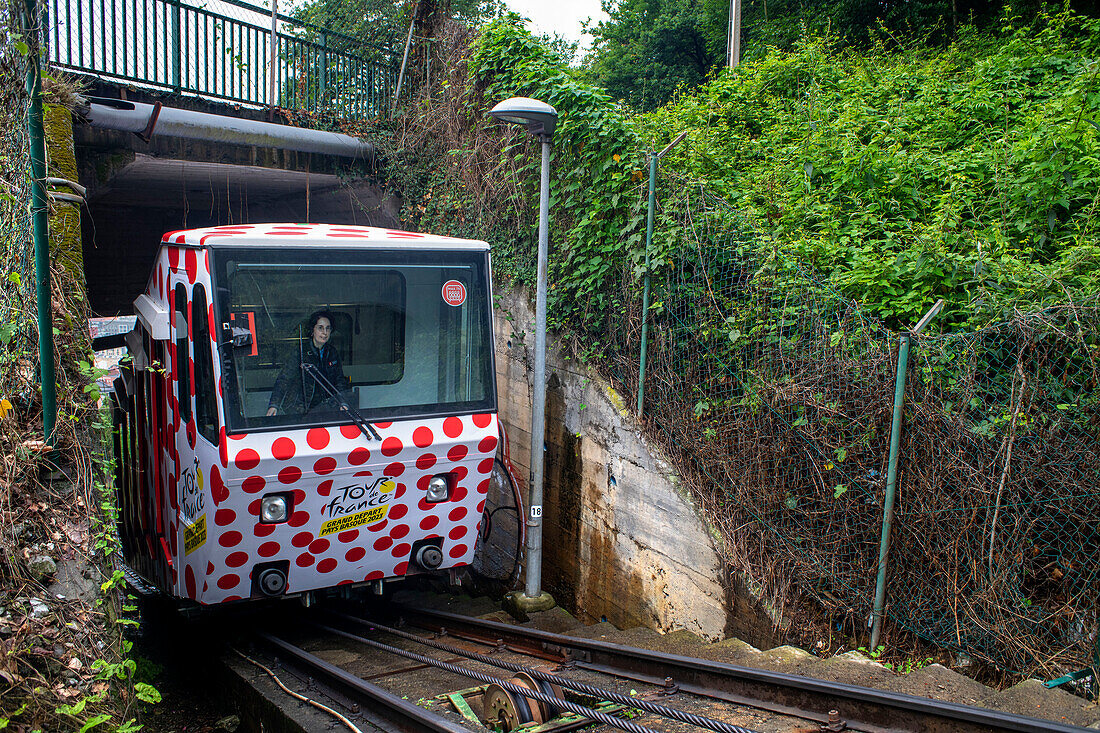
[538,117]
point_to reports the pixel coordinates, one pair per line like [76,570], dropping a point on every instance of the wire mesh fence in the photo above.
[775,395]
[18,338]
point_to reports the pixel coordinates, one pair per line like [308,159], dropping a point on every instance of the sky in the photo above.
[559,16]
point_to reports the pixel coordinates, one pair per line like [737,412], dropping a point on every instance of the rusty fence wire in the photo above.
[775,397]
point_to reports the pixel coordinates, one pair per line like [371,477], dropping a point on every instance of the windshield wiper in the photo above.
[365,427]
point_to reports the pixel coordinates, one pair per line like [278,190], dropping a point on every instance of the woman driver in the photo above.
[292,392]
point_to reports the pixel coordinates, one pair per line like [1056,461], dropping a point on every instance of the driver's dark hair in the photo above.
[318,315]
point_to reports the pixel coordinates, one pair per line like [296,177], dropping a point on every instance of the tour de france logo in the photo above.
[354,506]
[192,508]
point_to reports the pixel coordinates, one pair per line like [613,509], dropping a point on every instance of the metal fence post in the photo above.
[892,471]
[645,287]
[271,59]
[41,225]
[177,62]
[653,158]
[322,73]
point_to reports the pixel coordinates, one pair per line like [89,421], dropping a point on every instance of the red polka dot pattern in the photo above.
[317,438]
[252,484]
[290,474]
[317,465]
[246,459]
[269,549]
[228,582]
[422,437]
[283,449]
[231,538]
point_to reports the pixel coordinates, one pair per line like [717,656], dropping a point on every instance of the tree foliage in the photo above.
[648,49]
[901,175]
[385,23]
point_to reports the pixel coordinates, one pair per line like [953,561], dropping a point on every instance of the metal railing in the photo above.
[190,47]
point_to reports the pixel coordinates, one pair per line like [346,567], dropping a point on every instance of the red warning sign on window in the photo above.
[454,293]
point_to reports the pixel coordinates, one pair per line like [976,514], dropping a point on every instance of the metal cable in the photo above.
[700,721]
[604,718]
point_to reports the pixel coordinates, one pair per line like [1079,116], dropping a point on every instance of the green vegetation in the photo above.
[648,49]
[819,185]
[971,173]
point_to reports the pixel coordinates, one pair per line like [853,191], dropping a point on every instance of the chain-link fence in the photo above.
[18,338]
[776,397]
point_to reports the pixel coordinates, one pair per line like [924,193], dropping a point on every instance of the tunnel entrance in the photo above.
[139,188]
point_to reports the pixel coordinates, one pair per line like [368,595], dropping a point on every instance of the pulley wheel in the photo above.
[547,710]
[504,708]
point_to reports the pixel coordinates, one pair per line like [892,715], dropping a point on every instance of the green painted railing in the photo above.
[191,47]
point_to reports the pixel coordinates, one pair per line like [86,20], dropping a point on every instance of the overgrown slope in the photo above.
[817,189]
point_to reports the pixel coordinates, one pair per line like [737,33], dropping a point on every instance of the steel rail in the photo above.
[700,721]
[516,690]
[861,708]
[391,711]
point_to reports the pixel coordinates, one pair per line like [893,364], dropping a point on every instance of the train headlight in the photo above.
[439,488]
[274,508]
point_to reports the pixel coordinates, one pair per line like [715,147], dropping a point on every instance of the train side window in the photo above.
[206,404]
[182,365]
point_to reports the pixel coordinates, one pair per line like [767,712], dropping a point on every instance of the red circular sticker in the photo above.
[454,293]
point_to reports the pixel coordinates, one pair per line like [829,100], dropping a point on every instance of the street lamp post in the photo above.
[539,119]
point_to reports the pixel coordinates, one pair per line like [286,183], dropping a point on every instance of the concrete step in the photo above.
[1031,698]
[556,621]
[939,683]
[601,631]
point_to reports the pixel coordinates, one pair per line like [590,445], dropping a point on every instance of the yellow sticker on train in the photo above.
[194,536]
[342,524]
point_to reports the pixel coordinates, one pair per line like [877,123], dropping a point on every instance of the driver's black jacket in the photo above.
[296,391]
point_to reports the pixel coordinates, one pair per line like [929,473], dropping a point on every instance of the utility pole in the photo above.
[734,44]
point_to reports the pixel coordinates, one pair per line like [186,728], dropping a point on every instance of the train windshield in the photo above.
[392,333]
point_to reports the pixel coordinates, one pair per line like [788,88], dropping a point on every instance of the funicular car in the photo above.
[305,406]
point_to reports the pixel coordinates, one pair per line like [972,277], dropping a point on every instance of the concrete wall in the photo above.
[623,541]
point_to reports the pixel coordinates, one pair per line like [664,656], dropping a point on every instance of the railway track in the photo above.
[425,670]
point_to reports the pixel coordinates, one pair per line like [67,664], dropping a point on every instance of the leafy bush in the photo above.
[971,174]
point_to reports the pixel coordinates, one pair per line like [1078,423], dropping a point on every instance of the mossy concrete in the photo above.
[65,233]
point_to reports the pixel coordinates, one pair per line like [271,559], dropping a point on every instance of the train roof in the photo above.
[344,236]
